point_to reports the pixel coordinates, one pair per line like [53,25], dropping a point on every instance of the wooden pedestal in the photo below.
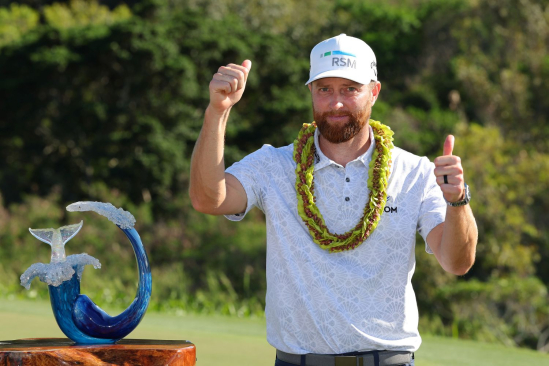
[62,351]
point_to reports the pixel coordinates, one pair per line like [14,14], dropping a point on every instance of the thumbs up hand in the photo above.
[228,84]
[449,172]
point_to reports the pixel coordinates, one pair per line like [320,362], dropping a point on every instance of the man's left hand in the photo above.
[450,166]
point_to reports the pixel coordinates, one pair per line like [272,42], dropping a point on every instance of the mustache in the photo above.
[336,114]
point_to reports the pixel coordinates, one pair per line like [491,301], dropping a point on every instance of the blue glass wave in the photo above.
[84,322]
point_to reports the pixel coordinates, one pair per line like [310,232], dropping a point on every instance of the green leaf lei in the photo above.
[378,180]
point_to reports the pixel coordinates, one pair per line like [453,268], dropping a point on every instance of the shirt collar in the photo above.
[321,161]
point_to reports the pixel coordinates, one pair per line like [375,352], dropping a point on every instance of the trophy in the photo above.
[77,315]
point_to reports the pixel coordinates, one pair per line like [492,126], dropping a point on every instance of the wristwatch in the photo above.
[465,199]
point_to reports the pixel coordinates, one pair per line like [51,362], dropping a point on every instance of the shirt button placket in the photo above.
[347,198]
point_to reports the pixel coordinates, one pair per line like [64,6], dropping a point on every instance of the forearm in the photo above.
[459,240]
[207,187]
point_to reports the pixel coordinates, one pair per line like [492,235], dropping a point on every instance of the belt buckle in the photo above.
[347,361]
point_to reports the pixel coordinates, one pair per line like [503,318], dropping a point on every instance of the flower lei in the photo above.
[378,177]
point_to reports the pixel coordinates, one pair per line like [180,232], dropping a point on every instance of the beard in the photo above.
[337,133]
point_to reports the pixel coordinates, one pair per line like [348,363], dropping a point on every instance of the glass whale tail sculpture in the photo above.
[78,317]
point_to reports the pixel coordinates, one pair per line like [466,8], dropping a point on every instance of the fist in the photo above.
[449,166]
[227,85]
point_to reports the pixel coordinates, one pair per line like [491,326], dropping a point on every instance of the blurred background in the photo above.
[104,100]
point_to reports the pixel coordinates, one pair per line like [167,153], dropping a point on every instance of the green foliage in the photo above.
[511,310]
[15,21]
[80,13]
[508,185]
[502,49]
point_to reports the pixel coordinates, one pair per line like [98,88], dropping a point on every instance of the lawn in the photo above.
[231,341]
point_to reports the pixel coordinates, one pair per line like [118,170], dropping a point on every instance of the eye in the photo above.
[352,89]
[324,90]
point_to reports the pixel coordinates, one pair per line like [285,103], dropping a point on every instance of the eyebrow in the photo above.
[323,85]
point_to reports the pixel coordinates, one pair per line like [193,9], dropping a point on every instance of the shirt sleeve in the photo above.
[251,172]
[432,211]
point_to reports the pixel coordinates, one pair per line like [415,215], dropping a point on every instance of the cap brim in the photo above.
[346,74]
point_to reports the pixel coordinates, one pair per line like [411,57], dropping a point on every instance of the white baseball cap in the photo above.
[344,57]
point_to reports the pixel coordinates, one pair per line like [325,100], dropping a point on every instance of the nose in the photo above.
[337,102]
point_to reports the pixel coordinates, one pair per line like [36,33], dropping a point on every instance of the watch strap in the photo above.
[464,201]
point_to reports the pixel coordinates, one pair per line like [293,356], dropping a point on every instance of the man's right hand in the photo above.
[227,85]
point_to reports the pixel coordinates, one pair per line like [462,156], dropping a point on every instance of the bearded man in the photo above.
[342,208]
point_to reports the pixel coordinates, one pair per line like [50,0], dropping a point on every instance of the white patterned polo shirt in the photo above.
[358,300]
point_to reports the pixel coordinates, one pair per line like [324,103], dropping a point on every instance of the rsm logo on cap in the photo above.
[341,61]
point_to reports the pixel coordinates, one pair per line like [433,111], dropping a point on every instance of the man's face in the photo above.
[341,107]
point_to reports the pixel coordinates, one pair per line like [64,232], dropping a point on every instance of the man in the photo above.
[342,207]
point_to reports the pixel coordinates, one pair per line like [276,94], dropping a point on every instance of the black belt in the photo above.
[374,358]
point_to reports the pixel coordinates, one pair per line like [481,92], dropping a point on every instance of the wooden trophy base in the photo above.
[63,351]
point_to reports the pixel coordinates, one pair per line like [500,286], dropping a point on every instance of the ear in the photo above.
[310,85]
[375,92]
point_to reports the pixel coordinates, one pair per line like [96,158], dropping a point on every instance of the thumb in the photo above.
[247,64]
[448,145]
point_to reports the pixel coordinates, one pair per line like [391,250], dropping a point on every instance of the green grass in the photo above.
[230,341]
